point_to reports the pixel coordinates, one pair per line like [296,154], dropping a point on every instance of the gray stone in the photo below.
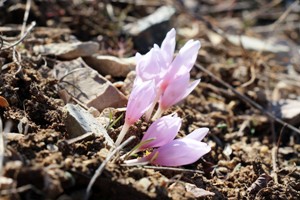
[78,82]
[78,121]
[68,51]
[110,65]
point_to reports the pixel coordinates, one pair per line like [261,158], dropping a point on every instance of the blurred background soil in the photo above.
[254,46]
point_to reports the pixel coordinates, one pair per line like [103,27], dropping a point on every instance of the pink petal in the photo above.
[179,152]
[146,67]
[151,65]
[139,101]
[190,88]
[186,57]
[138,57]
[174,91]
[198,134]
[168,46]
[163,131]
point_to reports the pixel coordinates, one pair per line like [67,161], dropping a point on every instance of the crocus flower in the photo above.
[178,152]
[139,101]
[161,132]
[175,91]
[158,64]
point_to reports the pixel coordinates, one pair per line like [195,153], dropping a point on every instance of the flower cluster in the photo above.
[167,150]
[163,79]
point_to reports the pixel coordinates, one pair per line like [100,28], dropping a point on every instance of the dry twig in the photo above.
[103,164]
[173,169]
[22,37]
[247,99]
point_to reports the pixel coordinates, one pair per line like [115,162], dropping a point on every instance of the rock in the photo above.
[128,83]
[256,44]
[68,51]
[79,121]
[144,183]
[197,192]
[79,82]
[288,110]
[150,29]
[110,65]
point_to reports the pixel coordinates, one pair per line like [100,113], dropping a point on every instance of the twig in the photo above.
[19,190]
[274,155]
[103,164]
[247,99]
[284,15]
[22,37]
[1,146]
[25,18]
[173,169]
[79,138]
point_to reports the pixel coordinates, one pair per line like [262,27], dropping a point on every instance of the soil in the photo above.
[252,156]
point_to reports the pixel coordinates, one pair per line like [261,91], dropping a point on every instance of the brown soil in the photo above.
[43,165]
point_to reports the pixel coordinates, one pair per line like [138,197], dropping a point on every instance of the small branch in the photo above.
[248,100]
[80,138]
[103,164]
[22,37]
[173,169]
[26,14]
[274,155]
[2,146]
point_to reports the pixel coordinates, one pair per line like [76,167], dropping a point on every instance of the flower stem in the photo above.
[137,161]
[158,113]
[150,110]
[122,134]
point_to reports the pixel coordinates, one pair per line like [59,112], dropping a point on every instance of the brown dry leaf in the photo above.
[3,102]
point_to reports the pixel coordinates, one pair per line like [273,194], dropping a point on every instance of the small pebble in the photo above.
[68,162]
[264,149]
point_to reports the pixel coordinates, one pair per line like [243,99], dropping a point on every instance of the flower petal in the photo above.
[163,131]
[139,101]
[168,46]
[146,67]
[198,134]
[186,57]
[190,88]
[179,152]
[174,91]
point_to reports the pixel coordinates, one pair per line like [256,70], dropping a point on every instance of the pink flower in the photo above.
[198,134]
[155,64]
[184,61]
[171,76]
[177,152]
[162,131]
[179,88]
[139,101]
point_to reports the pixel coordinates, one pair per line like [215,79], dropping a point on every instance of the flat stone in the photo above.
[150,29]
[68,51]
[79,82]
[78,121]
[288,110]
[110,65]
